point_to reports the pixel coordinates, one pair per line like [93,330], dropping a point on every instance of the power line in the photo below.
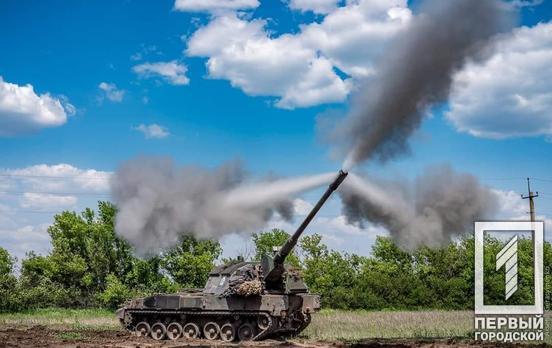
[55,193]
[541,179]
[30,211]
[83,176]
[501,179]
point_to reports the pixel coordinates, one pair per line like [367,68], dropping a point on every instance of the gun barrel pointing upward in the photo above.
[292,241]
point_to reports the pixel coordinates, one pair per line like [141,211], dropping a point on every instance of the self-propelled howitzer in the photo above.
[241,301]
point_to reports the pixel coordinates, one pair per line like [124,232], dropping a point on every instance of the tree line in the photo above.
[90,266]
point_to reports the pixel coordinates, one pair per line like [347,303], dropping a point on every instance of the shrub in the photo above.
[115,293]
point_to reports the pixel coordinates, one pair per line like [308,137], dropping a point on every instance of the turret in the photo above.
[273,267]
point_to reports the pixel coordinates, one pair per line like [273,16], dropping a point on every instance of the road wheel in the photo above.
[227,333]
[263,322]
[191,331]
[211,331]
[174,331]
[246,332]
[142,329]
[158,331]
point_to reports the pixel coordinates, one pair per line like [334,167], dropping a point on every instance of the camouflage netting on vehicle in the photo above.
[246,281]
[250,287]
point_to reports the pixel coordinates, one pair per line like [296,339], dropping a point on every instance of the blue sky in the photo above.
[205,113]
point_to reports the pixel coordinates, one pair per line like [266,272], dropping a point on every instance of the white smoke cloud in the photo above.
[158,202]
[440,205]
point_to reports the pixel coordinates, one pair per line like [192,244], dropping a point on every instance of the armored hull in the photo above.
[222,311]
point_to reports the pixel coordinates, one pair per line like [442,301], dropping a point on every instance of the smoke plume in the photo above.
[416,73]
[439,205]
[158,202]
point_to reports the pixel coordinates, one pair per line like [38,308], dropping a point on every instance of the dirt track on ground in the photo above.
[41,336]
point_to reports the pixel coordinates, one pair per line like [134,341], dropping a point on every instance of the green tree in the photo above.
[266,241]
[115,293]
[36,287]
[330,273]
[441,274]
[190,262]
[6,262]
[8,282]
[85,253]
[146,276]
[85,250]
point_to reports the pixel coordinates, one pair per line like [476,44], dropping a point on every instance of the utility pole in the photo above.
[531,195]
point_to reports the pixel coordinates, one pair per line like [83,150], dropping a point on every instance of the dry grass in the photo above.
[350,326]
[355,325]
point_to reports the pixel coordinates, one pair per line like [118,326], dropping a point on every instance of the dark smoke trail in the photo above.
[416,73]
[158,202]
[440,205]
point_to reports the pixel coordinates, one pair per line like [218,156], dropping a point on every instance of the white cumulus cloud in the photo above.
[21,240]
[511,205]
[242,52]
[316,6]
[55,178]
[172,72]
[153,131]
[111,92]
[23,111]
[510,93]
[34,200]
[214,5]
[300,69]
[30,196]
[354,36]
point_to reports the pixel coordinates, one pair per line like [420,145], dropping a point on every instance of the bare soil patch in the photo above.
[42,336]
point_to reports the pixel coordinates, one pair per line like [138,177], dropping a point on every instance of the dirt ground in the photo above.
[42,336]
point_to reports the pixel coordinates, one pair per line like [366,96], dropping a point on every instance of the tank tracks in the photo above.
[212,325]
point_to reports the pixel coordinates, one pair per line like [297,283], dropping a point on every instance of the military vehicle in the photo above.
[241,301]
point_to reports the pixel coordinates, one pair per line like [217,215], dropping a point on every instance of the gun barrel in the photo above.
[292,241]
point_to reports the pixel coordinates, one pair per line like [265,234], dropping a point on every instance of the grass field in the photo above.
[328,325]
[58,318]
[354,325]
